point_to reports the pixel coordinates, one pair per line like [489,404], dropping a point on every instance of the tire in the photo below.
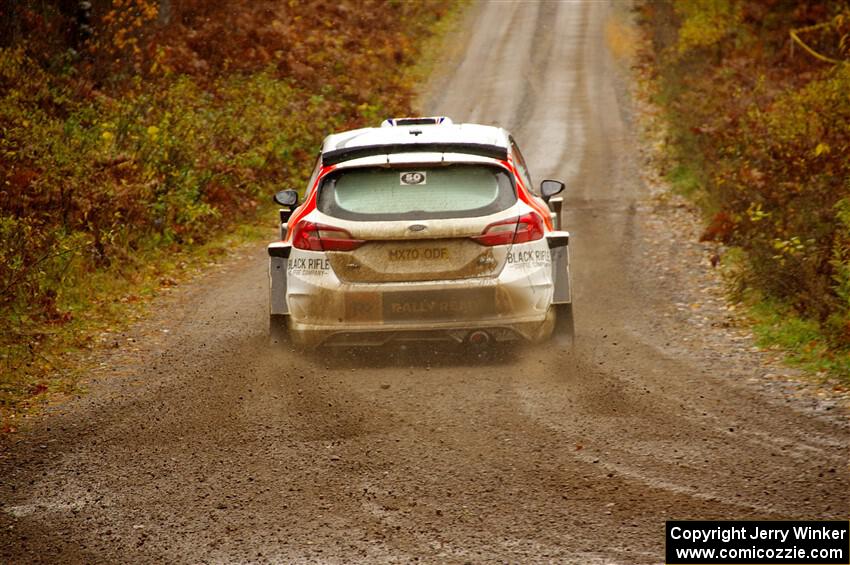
[278,331]
[564,331]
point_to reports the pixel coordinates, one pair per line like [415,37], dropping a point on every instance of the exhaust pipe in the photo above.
[478,338]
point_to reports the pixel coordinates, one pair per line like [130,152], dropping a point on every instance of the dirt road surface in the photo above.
[196,443]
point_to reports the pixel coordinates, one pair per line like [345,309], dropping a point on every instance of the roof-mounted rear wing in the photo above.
[348,153]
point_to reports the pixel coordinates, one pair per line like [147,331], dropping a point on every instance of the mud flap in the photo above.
[278,330]
[278,263]
[564,332]
[278,308]
[560,249]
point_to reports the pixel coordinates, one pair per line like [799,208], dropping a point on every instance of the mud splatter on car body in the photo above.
[420,225]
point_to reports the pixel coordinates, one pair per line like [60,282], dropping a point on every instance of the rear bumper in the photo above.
[515,305]
[376,314]
[308,336]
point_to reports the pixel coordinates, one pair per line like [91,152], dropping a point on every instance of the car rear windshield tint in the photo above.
[416,192]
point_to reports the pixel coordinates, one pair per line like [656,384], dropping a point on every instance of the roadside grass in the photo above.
[777,326]
[684,178]
[683,165]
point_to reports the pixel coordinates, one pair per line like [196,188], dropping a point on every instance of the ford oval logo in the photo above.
[416,227]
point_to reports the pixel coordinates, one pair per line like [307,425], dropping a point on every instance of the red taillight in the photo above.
[499,233]
[319,237]
[514,230]
[529,228]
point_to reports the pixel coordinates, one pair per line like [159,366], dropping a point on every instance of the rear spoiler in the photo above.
[480,149]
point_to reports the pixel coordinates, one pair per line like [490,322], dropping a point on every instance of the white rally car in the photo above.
[420,229]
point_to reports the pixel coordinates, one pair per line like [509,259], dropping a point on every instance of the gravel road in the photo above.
[197,443]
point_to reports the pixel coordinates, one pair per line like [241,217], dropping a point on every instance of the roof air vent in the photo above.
[430,121]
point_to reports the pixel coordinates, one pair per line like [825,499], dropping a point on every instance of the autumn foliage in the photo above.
[760,136]
[167,124]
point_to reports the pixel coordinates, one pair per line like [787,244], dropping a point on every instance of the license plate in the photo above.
[405,254]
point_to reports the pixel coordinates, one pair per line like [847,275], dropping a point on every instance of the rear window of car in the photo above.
[416,192]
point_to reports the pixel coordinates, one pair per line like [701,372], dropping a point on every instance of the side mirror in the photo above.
[288,198]
[549,188]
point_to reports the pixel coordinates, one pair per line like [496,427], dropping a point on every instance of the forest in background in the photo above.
[756,99]
[134,130]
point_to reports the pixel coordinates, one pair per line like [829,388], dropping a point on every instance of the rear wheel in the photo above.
[564,331]
[278,331]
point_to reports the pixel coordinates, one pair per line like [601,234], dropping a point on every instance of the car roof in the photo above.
[409,135]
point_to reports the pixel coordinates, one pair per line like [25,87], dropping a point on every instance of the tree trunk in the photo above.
[164,11]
